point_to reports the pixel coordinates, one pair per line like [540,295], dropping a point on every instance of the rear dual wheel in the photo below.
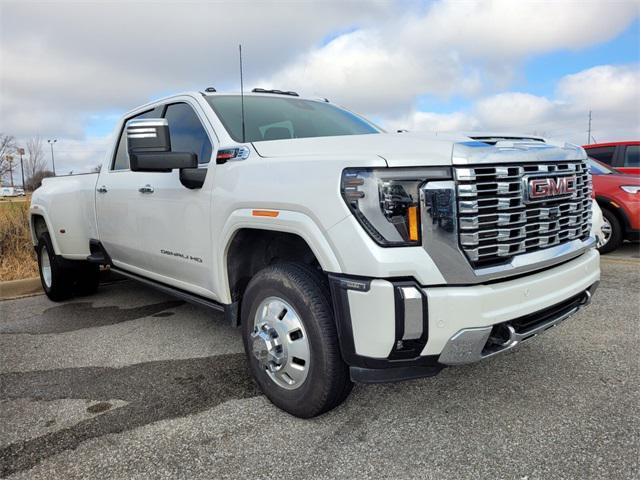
[291,340]
[61,279]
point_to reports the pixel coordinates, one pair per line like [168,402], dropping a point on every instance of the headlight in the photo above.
[386,201]
[630,188]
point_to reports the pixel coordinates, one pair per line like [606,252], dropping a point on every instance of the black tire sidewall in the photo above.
[61,281]
[616,238]
[44,243]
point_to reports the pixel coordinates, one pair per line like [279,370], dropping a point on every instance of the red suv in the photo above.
[619,198]
[623,156]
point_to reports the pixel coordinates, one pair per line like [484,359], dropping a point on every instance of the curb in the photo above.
[20,288]
[622,260]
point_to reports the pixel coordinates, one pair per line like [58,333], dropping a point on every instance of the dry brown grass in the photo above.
[17,257]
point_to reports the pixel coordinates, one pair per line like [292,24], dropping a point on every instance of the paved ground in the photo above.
[133,384]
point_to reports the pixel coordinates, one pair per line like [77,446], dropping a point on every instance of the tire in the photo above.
[57,279]
[616,236]
[304,294]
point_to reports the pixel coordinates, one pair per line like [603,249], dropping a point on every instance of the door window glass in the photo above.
[632,156]
[187,133]
[121,159]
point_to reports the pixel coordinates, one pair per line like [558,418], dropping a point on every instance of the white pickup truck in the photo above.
[345,253]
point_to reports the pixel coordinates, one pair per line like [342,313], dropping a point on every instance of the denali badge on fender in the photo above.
[540,189]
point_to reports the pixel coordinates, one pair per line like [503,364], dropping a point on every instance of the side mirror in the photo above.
[149,146]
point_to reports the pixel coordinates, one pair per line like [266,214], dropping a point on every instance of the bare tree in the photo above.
[36,180]
[7,148]
[35,163]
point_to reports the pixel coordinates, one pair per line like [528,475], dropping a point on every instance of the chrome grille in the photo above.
[495,223]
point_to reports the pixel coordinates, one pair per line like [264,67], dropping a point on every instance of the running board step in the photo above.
[230,311]
[176,292]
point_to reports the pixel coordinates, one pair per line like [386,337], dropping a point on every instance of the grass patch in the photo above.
[17,257]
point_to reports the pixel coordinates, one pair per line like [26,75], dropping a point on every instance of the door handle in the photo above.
[102,189]
[146,189]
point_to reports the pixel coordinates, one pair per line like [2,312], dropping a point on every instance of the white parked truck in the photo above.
[345,253]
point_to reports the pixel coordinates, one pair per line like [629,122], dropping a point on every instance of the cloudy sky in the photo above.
[68,70]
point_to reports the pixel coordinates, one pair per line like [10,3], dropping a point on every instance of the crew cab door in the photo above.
[175,221]
[116,208]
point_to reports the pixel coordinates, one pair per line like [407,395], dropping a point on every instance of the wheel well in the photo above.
[253,249]
[605,205]
[39,226]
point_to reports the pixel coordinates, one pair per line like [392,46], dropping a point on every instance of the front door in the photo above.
[174,221]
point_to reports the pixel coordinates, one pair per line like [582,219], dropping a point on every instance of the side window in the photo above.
[187,133]
[604,154]
[632,156]
[121,160]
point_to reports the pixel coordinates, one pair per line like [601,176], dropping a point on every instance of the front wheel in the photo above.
[291,340]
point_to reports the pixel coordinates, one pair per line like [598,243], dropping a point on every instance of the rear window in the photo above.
[632,156]
[273,118]
[602,154]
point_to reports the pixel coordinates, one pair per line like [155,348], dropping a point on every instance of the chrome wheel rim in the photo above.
[606,233]
[279,343]
[45,267]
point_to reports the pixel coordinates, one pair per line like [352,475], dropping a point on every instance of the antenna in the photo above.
[241,95]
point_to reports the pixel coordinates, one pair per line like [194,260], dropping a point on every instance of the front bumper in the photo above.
[451,325]
[473,344]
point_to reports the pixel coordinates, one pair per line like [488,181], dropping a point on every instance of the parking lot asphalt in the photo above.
[130,383]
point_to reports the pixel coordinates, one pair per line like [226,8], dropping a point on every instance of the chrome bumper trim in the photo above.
[468,345]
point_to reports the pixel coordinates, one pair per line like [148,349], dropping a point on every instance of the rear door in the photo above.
[630,159]
[116,197]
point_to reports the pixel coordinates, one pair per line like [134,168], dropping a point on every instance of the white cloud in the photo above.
[611,92]
[462,48]
[80,156]
[433,122]
[364,71]
[603,88]
[71,59]
[63,62]
[504,30]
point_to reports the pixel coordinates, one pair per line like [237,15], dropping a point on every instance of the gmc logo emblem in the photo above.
[543,188]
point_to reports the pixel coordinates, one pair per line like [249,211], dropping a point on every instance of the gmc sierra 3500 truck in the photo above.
[345,253]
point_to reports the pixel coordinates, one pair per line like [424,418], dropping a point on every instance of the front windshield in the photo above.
[274,118]
[597,168]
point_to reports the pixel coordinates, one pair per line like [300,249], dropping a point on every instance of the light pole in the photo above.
[21,153]
[10,161]
[53,162]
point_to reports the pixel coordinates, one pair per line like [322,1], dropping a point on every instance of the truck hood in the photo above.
[420,149]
